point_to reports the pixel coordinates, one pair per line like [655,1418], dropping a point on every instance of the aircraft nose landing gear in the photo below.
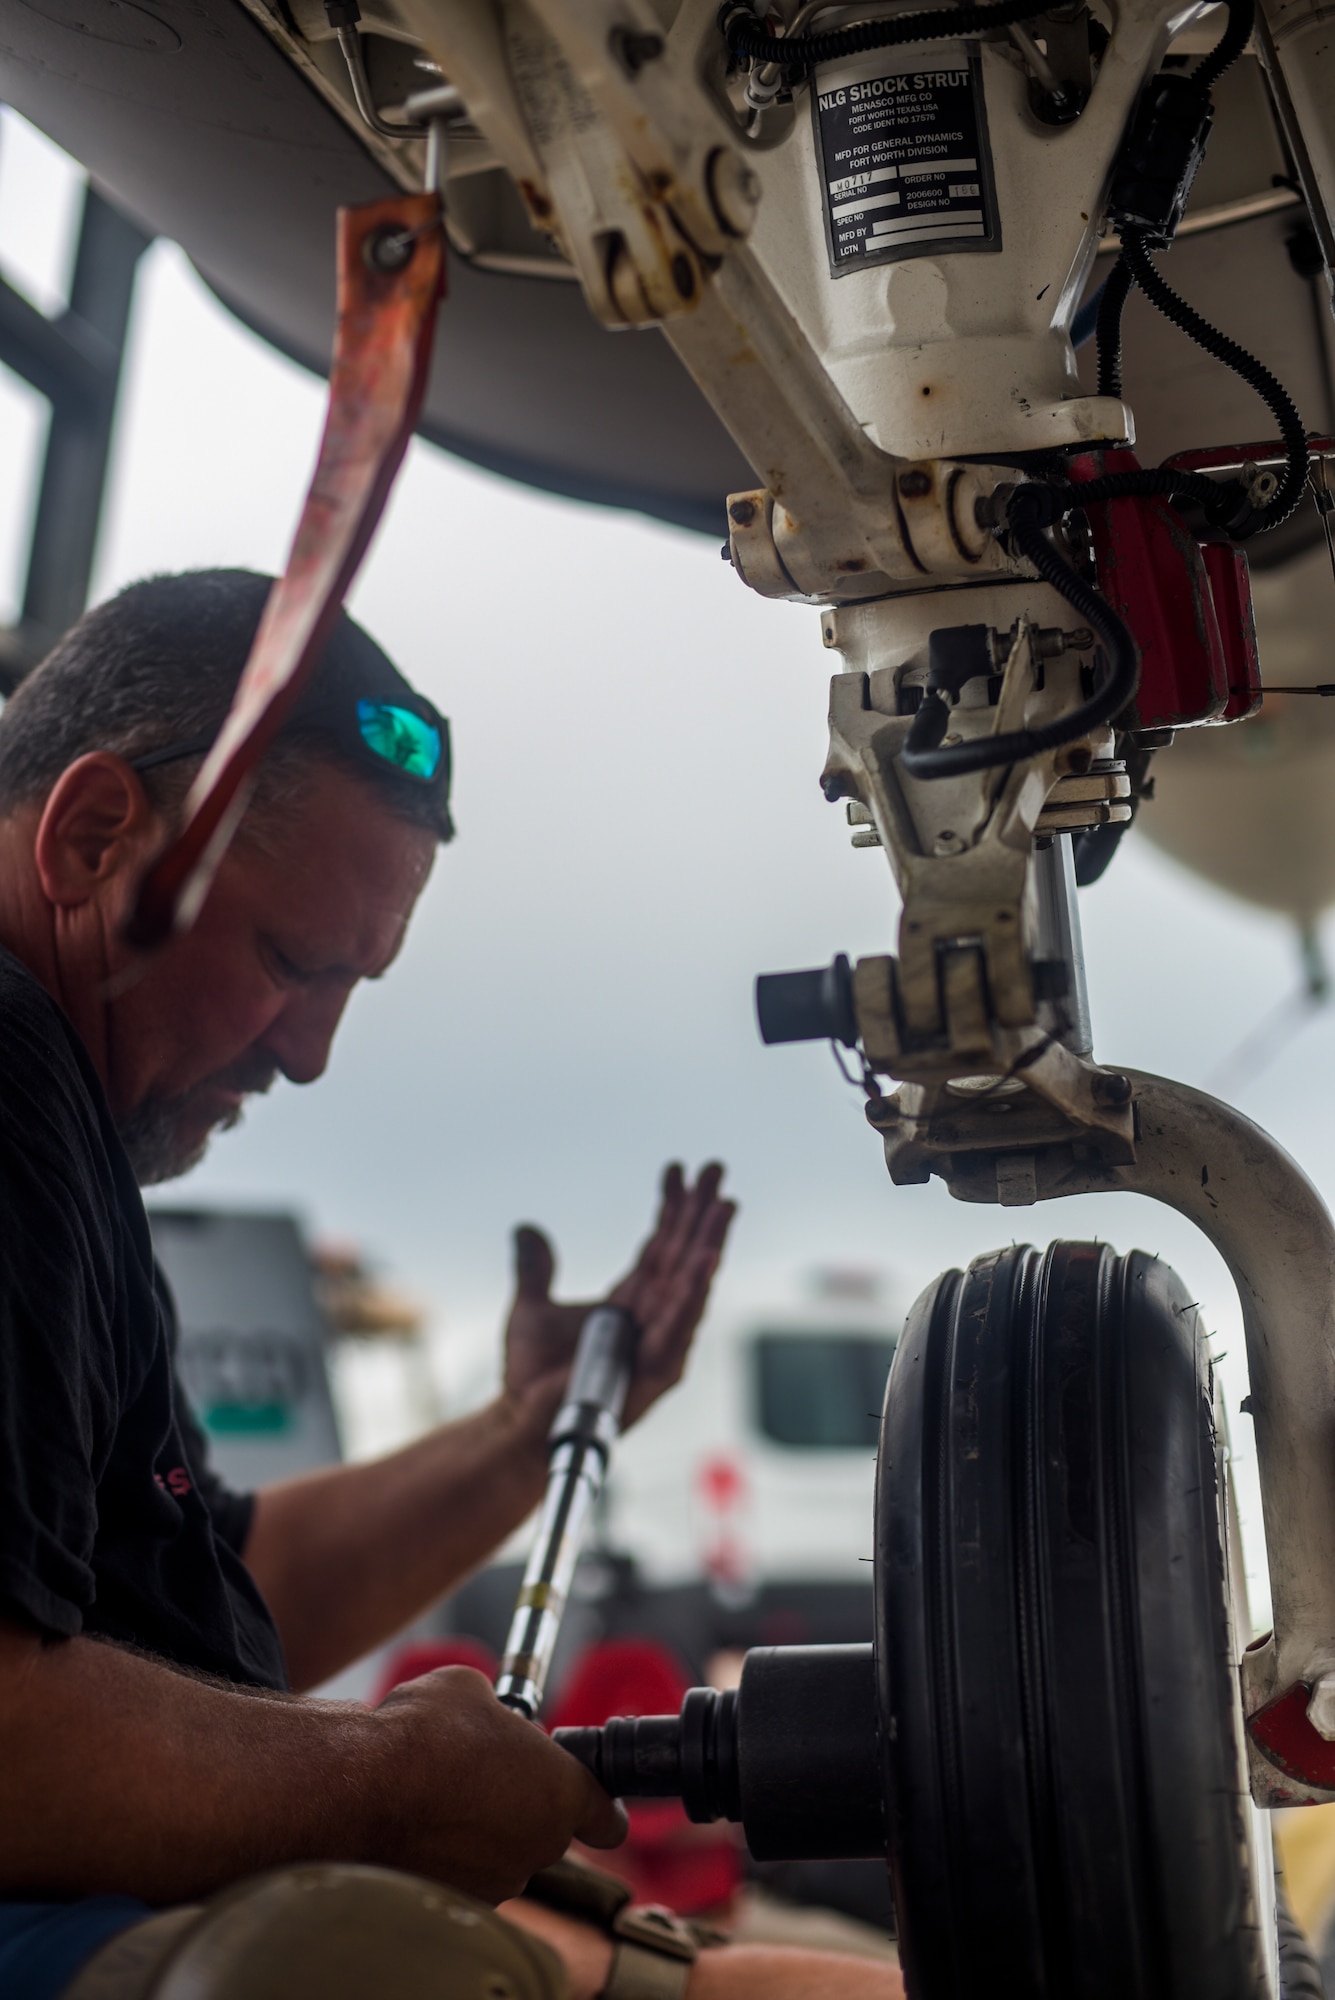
[1048,1742]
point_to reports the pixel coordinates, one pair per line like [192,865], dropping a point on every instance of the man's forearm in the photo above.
[118,1774]
[348,1556]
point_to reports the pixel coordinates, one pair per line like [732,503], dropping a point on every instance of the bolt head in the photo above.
[389,249]
[734,191]
[1110,1088]
[633,50]
[882,1112]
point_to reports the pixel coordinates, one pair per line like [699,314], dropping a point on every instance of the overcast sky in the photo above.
[637,745]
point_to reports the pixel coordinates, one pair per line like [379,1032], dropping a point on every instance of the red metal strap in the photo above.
[1288,1739]
[382,348]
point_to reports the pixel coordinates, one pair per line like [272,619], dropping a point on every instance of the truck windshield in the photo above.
[821,1391]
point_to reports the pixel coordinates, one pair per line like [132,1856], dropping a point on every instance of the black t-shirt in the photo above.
[111,1521]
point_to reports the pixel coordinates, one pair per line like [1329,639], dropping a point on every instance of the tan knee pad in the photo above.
[325,1932]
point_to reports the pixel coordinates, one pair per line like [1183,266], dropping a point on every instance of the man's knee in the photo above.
[332,1931]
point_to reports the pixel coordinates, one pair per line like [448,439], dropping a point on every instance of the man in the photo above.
[151,1623]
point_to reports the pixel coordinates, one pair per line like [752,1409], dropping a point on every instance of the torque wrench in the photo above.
[579,1445]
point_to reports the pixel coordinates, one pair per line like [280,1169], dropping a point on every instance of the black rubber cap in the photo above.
[808,1006]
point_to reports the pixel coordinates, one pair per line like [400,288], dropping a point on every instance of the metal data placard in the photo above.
[906,169]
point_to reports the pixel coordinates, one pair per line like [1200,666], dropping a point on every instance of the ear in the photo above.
[97,825]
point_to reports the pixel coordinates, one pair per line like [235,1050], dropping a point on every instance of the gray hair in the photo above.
[158,665]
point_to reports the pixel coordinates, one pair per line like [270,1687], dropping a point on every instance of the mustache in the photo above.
[251,1075]
[152,1135]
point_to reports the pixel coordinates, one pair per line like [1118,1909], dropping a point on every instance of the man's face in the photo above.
[256,989]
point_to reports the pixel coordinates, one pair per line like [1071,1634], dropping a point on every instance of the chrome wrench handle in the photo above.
[579,1445]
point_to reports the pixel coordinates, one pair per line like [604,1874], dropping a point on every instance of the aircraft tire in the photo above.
[1069,1815]
[1300,1976]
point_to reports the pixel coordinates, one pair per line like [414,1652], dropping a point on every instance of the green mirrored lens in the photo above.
[400,737]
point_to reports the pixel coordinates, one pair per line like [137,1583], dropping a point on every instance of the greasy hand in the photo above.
[474,1795]
[666,1291]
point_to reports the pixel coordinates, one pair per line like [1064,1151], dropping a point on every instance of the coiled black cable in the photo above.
[1241,20]
[928,757]
[1220,500]
[746,37]
[1226,506]
[1108,328]
[1136,255]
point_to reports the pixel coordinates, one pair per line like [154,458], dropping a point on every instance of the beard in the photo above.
[164,1137]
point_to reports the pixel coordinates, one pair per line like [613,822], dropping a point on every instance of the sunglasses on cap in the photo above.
[414,741]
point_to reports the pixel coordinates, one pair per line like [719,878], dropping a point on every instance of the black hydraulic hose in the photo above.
[934,759]
[1108,327]
[746,37]
[1241,19]
[1136,255]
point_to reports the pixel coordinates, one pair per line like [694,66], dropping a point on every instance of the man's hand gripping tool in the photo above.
[579,1446]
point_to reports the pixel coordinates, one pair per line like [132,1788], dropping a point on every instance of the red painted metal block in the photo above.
[1289,1742]
[1151,570]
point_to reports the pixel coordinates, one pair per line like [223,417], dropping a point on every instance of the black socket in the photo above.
[793,1753]
[808,1006]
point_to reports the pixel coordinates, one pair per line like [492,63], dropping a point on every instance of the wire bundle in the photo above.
[746,37]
